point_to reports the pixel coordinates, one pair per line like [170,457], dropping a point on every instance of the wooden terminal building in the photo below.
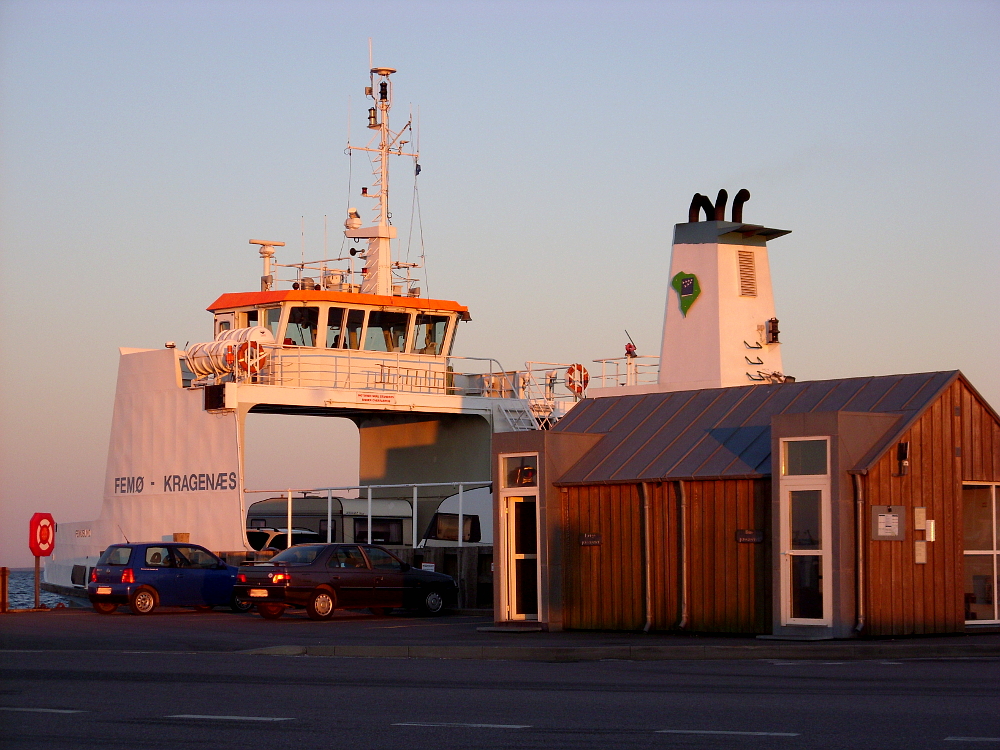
[825,509]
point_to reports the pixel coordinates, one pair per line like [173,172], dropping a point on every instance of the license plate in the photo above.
[103,589]
[258,593]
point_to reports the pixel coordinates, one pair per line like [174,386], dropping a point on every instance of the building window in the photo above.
[981,527]
[520,471]
[803,457]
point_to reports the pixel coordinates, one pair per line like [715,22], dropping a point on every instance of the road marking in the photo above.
[451,724]
[43,710]
[231,718]
[972,739]
[719,731]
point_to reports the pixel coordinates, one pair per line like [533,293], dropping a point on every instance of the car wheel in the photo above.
[432,603]
[237,606]
[142,601]
[270,611]
[104,608]
[321,605]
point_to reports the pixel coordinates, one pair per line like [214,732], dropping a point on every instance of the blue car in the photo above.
[152,574]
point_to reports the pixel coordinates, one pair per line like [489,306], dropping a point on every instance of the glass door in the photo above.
[805,555]
[522,558]
[519,505]
[805,532]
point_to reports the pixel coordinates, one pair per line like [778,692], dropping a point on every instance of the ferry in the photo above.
[351,337]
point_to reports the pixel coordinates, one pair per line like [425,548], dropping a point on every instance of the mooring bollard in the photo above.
[4,580]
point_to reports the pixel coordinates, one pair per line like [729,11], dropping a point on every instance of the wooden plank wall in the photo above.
[902,597]
[603,587]
[728,583]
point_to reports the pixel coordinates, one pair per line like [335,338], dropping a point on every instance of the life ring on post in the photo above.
[577,379]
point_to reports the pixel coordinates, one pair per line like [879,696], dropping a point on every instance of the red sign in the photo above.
[42,534]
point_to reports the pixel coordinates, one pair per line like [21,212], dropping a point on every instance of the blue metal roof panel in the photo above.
[722,432]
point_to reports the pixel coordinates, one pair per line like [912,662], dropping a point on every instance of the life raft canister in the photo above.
[577,379]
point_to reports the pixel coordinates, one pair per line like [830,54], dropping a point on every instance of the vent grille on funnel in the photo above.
[748,274]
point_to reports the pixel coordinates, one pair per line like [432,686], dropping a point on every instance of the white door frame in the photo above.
[786,485]
[507,497]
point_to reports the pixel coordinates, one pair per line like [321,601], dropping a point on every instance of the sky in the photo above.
[142,144]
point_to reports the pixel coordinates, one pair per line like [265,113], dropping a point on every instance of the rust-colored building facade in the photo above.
[825,509]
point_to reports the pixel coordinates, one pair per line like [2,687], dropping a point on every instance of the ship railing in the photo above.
[367,490]
[618,371]
[396,372]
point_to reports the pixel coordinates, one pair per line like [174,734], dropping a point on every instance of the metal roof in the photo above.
[726,432]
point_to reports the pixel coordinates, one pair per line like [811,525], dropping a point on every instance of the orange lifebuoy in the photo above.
[250,356]
[577,378]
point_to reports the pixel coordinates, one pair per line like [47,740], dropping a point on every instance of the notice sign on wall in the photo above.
[749,536]
[888,523]
[590,540]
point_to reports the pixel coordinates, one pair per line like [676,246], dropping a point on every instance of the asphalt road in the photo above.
[121,699]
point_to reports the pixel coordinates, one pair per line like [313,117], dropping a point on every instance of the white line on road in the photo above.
[972,739]
[720,731]
[43,710]
[451,724]
[231,718]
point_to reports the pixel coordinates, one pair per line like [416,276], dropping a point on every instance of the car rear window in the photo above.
[304,554]
[347,557]
[116,556]
[194,557]
[158,557]
[257,539]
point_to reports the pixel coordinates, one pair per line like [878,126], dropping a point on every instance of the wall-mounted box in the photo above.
[888,523]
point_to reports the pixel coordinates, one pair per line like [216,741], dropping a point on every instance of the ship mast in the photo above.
[378,257]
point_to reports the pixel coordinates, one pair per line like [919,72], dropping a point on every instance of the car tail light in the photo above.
[93,575]
[241,578]
[281,578]
[128,576]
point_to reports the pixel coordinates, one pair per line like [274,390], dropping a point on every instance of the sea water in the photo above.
[22,591]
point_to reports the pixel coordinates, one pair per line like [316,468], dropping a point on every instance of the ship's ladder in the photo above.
[519,417]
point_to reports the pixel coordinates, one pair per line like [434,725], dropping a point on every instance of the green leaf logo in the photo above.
[688,289]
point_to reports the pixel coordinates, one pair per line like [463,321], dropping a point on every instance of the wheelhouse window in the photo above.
[302,325]
[335,328]
[386,331]
[252,319]
[353,325]
[429,333]
[981,526]
[272,317]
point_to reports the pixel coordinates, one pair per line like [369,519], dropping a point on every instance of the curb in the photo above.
[859,651]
